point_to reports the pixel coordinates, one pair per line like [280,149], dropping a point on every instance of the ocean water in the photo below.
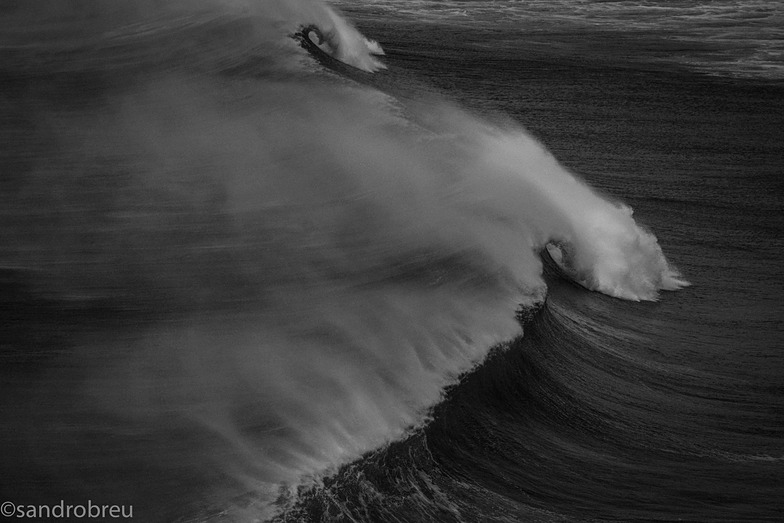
[451,261]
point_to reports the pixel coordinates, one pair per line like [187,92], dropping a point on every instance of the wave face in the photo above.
[577,421]
[229,272]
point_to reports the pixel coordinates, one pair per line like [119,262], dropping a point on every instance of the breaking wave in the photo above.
[288,267]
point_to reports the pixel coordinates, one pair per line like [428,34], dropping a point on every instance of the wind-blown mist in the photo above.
[294,269]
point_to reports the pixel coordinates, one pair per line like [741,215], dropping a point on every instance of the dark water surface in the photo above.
[238,283]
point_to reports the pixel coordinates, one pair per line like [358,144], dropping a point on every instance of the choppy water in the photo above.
[239,282]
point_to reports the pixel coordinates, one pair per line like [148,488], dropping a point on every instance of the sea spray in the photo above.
[293,270]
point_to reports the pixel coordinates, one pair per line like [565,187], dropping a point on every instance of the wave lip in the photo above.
[611,254]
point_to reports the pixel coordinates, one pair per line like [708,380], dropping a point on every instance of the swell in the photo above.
[720,38]
[574,421]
